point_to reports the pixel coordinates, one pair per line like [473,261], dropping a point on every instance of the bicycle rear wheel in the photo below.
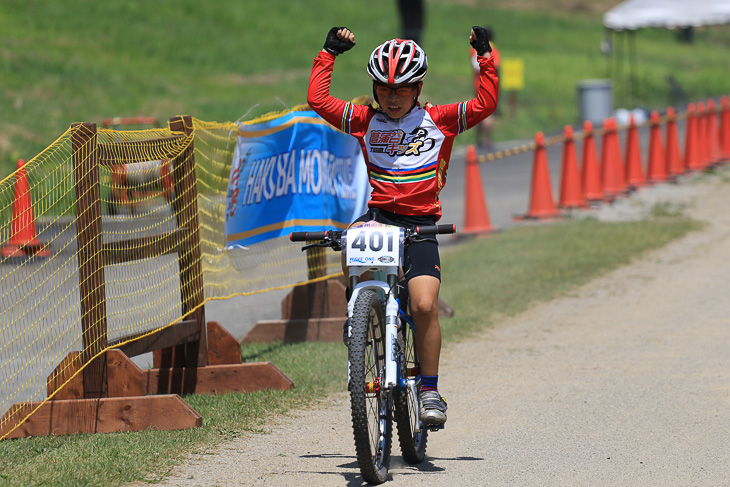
[412,436]
[370,402]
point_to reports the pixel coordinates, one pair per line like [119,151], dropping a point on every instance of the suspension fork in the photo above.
[392,373]
[392,369]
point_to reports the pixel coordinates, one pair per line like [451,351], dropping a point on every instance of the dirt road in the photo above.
[624,382]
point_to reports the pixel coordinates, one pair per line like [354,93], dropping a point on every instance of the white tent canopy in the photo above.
[636,14]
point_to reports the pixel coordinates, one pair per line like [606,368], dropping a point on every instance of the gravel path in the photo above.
[625,381]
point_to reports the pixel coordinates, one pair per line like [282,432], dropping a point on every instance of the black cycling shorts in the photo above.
[421,258]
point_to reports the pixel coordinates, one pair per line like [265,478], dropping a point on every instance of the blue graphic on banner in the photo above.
[293,173]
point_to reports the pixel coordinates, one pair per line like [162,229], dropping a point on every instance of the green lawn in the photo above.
[63,62]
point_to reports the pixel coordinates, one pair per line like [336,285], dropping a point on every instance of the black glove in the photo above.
[335,45]
[481,43]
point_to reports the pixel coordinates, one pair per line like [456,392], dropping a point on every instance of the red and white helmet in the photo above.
[398,61]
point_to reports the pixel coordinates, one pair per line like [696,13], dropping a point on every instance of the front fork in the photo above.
[393,379]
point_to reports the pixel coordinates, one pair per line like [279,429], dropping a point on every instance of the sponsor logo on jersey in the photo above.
[398,143]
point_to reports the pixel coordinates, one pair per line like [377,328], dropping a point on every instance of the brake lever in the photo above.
[315,244]
[413,236]
[417,238]
[335,244]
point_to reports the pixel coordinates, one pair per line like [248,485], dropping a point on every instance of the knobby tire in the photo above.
[412,436]
[372,420]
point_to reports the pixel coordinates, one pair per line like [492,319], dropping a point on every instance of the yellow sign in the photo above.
[512,74]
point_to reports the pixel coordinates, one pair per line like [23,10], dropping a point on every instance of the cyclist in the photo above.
[407,148]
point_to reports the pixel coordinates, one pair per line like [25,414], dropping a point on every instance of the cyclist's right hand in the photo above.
[339,40]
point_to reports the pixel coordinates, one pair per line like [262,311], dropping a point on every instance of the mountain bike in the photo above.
[383,370]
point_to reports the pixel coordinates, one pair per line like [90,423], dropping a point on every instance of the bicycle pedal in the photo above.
[434,429]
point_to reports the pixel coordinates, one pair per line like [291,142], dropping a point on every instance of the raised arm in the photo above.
[339,40]
[458,117]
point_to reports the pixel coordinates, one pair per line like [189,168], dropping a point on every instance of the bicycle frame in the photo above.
[393,380]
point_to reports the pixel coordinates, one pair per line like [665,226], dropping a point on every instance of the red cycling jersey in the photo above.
[408,158]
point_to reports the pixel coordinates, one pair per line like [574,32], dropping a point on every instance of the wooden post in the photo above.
[185,204]
[316,262]
[91,257]
[513,104]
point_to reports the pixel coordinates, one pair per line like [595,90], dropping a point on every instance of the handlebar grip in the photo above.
[436,229]
[306,236]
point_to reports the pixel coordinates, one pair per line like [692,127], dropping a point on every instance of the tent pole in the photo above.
[633,80]
[618,63]
[626,78]
[609,41]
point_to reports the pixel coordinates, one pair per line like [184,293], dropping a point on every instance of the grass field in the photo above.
[63,62]
[515,268]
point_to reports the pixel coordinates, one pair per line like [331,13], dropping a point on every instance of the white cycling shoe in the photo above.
[433,409]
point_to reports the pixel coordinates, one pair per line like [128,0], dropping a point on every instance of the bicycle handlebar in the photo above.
[306,236]
[331,236]
[436,229]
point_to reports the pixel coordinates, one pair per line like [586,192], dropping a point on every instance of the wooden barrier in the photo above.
[191,356]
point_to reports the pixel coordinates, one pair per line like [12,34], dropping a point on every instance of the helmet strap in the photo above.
[375,96]
[418,93]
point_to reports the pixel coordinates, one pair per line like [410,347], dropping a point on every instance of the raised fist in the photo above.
[339,40]
[479,40]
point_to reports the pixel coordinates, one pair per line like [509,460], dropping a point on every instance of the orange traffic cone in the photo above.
[713,134]
[691,156]
[657,165]
[702,152]
[634,168]
[476,215]
[571,193]
[591,173]
[23,239]
[725,127]
[611,165]
[542,204]
[675,165]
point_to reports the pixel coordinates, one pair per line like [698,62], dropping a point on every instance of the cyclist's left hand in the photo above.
[339,40]
[479,40]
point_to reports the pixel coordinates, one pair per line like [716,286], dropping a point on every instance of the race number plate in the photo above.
[374,246]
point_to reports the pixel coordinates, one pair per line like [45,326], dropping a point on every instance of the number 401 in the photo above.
[375,243]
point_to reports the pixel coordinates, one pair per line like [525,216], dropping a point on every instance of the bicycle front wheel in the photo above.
[370,402]
[412,436]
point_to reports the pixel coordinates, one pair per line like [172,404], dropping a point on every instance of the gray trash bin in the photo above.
[595,100]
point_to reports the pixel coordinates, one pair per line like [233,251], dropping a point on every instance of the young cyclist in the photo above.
[407,148]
